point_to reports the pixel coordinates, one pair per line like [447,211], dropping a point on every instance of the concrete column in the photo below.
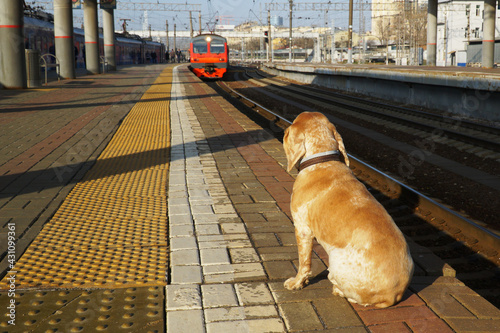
[12,59]
[63,35]
[489,33]
[108,19]
[91,36]
[431,31]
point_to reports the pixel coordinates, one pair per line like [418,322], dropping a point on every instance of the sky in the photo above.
[230,12]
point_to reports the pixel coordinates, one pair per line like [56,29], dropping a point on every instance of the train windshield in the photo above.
[200,46]
[217,45]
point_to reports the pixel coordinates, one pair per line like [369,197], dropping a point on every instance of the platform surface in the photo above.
[143,201]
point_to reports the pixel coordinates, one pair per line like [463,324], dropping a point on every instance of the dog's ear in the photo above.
[293,143]
[340,143]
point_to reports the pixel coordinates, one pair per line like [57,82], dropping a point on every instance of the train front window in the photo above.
[200,47]
[216,47]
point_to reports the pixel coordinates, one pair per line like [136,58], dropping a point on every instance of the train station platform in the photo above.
[455,91]
[142,201]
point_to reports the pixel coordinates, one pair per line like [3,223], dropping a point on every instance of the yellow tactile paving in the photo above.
[111,230]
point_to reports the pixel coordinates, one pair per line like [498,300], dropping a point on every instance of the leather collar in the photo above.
[328,156]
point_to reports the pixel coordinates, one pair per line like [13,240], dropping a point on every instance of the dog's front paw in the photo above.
[295,283]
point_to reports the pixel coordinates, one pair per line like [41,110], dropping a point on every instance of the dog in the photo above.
[369,260]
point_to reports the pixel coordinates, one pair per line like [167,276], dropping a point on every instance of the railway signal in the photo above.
[266,36]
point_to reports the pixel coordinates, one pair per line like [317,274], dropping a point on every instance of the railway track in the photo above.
[470,249]
[471,133]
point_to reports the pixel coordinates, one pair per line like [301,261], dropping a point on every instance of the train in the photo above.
[209,56]
[129,49]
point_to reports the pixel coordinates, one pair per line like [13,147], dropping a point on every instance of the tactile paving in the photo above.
[111,310]
[111,230]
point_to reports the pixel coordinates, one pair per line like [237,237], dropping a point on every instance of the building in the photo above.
[460,24]
[277,21]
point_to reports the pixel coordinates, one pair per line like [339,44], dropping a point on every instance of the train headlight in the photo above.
[221,59]
[208,39]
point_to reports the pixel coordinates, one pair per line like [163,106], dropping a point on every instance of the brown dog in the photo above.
[369,260]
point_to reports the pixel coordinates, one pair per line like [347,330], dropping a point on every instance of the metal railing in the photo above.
[49,64]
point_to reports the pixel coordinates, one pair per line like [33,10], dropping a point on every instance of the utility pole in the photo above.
[190,24]
[290,32]
[269,38]
[349,45]
[175,35]
[199,20]
[332,56]
[124,25]
[166,31]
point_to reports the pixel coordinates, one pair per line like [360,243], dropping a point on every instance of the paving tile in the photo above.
[177,321]
[479,325]
[219,295]
[233,228]
[278,253]
[243,255]
[389,315]
[183,297]
[215,256]
[431,325]
[336,312]
[391,327]
[306,294]
[279,270]
[253,293]
[185,257]
[183,230]
[240,313]
[186,274]
[265,239]
[300,316]
[183,243]
[248,271]
[266,325]
[180,219]
[179,210]
[480,307]
[207,229]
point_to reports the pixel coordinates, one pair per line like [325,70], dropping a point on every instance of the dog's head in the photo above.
[311,133]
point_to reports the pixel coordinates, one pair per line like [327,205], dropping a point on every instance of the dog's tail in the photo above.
[388,300]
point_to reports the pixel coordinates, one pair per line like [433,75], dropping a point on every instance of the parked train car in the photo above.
[153,52]
[129,49]
[209,56]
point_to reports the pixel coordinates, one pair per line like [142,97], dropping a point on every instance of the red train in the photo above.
[209,56]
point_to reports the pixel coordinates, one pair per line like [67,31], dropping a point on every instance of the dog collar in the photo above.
[332,155]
